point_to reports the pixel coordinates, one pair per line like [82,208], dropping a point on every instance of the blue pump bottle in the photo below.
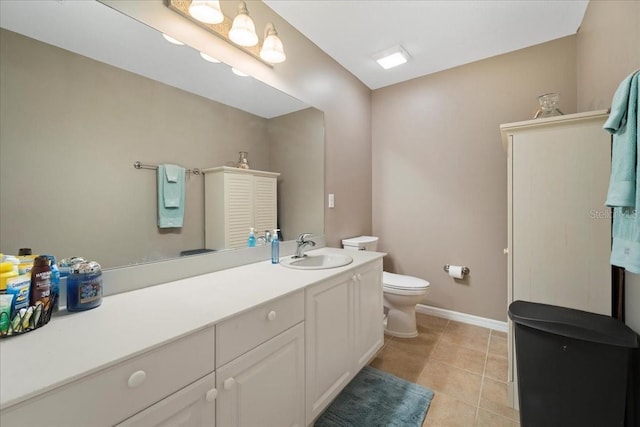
[275,247]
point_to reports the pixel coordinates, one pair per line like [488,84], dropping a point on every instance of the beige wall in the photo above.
[439,169]
[297,152]
[608,50]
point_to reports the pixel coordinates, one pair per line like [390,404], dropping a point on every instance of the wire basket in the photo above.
[27,320]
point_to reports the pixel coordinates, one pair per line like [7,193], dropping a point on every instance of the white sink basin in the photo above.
[317,262]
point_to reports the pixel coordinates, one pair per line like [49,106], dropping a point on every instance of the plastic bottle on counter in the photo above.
[7,272]
[275,247]
[40,282]
[55,280]
[251,241]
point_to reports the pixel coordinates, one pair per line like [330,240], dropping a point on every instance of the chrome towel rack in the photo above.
[139,165]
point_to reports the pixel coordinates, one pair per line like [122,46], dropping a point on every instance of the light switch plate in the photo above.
[332,200]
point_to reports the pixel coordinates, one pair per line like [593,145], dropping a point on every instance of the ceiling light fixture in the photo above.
[206,11]
[240,32]
[391,57]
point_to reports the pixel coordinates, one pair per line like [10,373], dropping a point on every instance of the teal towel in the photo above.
[625,181]
[170,196]
[173,186]
[622,185]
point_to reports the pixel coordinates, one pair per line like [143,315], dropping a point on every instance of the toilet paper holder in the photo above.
[465,270]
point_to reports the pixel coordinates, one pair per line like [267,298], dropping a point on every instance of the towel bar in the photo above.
[139,165]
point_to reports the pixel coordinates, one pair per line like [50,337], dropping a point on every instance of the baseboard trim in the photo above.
[462,317]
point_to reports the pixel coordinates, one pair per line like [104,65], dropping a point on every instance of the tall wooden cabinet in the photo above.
[236,200]
[559,230]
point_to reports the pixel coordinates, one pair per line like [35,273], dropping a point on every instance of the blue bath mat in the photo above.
[377,399]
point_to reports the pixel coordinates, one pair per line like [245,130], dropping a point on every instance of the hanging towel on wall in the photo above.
[624,186]
[170,196]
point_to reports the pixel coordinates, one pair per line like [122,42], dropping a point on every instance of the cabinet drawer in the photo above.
[241,333]
[114,394]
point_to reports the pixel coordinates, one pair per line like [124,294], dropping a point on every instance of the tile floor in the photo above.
[465,365]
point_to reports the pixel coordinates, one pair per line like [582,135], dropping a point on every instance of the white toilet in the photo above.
[401,293]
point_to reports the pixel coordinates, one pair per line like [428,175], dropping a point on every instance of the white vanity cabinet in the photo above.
[236,200]
[260,365]
[344,330]
[193,406]
[121,391]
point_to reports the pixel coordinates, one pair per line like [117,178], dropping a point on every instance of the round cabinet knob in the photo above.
[354,278]
[136,379]
[211,395]
[271,315]
[229,383]
[359,276]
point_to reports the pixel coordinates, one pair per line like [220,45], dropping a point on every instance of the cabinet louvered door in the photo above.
[266,210]
[238,195]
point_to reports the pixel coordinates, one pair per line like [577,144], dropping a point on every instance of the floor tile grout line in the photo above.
[484,371]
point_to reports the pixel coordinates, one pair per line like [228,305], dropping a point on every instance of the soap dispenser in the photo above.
[275,247]
[251,241]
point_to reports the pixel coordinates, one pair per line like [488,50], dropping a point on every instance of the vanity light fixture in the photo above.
[391,57]
[243,30]
[172,40]
[272,50]
[206,11]
[240,32]
[209,58]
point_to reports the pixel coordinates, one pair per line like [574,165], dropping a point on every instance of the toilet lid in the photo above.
[400,281]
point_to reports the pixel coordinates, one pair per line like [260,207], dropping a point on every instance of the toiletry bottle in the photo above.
[55,280]
[275,247]
[40,282]
[251,241]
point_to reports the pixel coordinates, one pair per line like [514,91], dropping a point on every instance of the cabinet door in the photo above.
[265,203]
[561,230]
[329,346]
[193,406]
[238,215]
[265,387]
[368,311]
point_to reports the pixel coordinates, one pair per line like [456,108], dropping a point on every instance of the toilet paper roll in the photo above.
[455,271]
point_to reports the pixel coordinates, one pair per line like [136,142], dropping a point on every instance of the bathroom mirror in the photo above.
[86,91]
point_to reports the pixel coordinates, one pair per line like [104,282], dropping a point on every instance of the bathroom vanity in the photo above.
[254,345]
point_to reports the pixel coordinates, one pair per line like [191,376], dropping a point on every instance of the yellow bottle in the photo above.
[6,272]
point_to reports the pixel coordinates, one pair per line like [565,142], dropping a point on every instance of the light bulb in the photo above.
[206,11]
[272,50]
[243,31]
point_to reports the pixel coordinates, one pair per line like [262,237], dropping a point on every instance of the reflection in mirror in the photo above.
[86,91]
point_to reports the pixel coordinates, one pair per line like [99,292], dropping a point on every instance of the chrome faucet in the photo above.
[302,243]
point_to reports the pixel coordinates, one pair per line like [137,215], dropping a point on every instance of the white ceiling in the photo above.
[437,34]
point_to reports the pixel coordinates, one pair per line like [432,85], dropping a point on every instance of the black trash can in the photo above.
[573,366]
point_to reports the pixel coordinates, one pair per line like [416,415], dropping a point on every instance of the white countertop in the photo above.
[73,345]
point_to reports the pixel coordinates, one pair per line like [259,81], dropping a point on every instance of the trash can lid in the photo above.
[573,323]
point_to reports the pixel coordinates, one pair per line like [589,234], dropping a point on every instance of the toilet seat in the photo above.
[400,284]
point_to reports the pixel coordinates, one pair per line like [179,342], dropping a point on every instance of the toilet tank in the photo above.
[361,243]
